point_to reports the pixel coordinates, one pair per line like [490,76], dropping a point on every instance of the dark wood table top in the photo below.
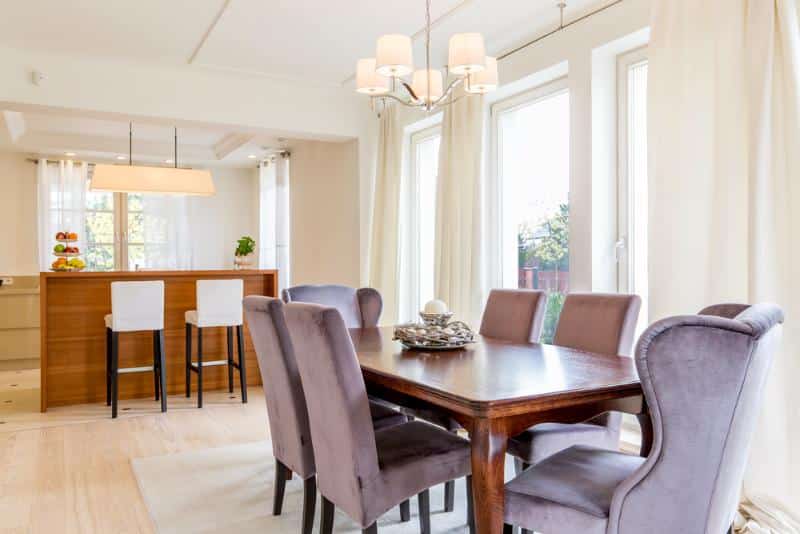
[494,375]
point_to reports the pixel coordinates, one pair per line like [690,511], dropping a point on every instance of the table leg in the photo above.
[488,466]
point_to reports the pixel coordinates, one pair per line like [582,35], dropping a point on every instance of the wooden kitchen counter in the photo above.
[72,307]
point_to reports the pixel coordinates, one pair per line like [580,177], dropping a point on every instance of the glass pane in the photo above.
[534,170]
[136,257]
[134,202]
[99,200]
[100,257]
[99,227]
[637,200]
[427,172]
[135,227]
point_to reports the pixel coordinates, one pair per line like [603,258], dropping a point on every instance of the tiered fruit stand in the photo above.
[67,257]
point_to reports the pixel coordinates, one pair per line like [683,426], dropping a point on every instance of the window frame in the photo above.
[119,212]
[495,197]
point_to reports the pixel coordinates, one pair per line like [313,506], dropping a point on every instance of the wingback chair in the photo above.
[703,377]
[594,322]
[286,404]
[363,471]
[360,308]
[514,315]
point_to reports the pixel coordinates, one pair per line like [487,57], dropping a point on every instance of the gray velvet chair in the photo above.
[514,315]
[594,322]
[362,471]
[703,377]
[360,308]
[286,405]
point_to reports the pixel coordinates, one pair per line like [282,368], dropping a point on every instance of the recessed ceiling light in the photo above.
[252,156]
[69,154]
[121,158]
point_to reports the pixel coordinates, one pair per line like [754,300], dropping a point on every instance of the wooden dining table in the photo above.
[495,390]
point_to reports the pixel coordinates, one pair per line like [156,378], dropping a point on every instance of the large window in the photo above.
[418,226]
[532,165]
[632,87]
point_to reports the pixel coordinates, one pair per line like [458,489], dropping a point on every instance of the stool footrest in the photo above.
[211,363]
[127,370]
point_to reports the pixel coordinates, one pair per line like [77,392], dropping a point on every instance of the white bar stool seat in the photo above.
[219,304]
[135,307]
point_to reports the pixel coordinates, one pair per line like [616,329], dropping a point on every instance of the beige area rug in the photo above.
[229,489]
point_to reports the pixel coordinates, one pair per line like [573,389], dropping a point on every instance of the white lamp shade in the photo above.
[467,53]
[419,84]
[486,80]
[143,179]
[393,55]
[368,81]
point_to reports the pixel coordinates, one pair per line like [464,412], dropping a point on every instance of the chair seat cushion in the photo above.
[383,416]
[191,317]
[580,478]
[546,439]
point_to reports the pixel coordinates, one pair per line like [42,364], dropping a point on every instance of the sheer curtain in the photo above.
[274,218]
[61,205]
[724,131]
[166,233]
[458,258]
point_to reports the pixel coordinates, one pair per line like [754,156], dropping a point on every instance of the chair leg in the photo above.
[199,367]
[242,366]
[405,511]
[526,531]
[309,504]
[108,367]
[326,522]
[229,332]
[470,506]
[281,476]
[372,529]
[520,466]
[156,370]
[114,373]
[424,499]
[508,529]
[449,496]
[188,362]
[162,369]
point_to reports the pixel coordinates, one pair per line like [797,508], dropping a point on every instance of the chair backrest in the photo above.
[598,322]
[703,378]
[360,308]
[338,408]
[137,306]
[514,315]
[219,302]
[283,390]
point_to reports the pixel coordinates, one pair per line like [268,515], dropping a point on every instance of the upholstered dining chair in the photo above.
[594,322]
[360,308]
[514,315]
[364,472]
[286,405]
[703,377]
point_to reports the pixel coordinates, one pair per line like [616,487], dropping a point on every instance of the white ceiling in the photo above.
[314,41]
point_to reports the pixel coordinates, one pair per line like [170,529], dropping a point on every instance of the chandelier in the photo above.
[382,76]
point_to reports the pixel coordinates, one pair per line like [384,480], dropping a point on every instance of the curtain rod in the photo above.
[560,27]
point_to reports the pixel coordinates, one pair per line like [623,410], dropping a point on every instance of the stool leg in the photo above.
[326,521]
[309,504]
[188,360]
[108,367]
[229,335]
[162,370]
[199,367]
[242,366]
[470,506]
[114,374]
[424,499]
[405,511]
[156,381]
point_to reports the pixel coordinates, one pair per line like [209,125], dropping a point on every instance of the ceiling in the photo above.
[312,41]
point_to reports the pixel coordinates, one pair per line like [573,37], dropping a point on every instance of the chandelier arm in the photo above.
[447,91]
[406,103]
[410,90]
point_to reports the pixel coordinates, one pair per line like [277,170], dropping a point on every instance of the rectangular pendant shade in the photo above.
[143,179]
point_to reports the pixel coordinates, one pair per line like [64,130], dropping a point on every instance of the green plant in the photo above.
[555,301]
[245,245]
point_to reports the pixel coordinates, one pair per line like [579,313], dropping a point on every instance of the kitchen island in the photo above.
[73,335]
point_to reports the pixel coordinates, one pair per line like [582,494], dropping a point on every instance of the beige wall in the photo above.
[18,248]
[325,241]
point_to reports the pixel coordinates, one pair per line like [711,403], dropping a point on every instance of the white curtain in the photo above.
[274,221]
[61,205]
[458,259]
[384,265]
[724,170]
[166,234]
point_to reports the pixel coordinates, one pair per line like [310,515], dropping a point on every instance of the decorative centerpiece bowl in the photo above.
[436,319]
[436,331]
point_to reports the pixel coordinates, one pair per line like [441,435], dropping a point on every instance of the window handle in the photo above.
[619,248]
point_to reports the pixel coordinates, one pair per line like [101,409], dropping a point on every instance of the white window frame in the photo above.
[495,189]
[119,212]
[625,220]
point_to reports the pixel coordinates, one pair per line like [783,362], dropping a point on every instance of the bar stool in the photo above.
[135,307]
[219,303]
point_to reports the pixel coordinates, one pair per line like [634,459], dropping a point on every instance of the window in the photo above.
[419,222]
[632,245]
[531,156]
[100,231]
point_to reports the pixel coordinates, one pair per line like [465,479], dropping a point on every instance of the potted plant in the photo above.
[245,247]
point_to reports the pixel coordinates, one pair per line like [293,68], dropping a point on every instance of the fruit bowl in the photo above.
[66,254]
